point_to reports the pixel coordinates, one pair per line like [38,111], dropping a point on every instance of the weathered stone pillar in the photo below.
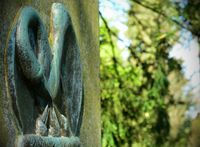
[84,18]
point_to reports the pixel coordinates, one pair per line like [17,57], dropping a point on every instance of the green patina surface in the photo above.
[84,16]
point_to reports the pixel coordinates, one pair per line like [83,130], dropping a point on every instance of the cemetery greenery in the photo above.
[142,98]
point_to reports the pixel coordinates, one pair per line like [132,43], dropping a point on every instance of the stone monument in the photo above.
[49,91]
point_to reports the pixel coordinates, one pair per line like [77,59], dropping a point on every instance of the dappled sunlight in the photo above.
[150,74]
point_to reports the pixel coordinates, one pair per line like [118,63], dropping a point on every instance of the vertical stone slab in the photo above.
[84,15]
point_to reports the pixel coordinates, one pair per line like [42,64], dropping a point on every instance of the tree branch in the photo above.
[162,14]
[114,59]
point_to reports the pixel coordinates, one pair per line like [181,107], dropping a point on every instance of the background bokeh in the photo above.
[150,73]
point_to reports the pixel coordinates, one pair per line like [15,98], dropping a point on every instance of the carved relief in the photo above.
[44,79]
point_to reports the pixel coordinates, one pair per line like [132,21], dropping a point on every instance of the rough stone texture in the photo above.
[84,15]
[37,141]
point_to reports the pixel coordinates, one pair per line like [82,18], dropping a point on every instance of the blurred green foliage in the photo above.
[192,14]
[143,104]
